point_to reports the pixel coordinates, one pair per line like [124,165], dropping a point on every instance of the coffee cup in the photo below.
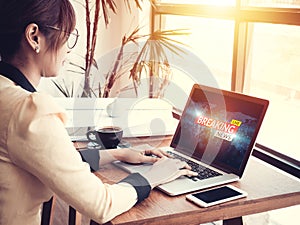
[107,137]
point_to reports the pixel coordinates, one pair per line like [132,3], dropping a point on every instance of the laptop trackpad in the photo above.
[134,168]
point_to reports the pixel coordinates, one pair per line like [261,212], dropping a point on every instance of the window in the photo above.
[211,40]
[273,72]
[251,46]
[274,3]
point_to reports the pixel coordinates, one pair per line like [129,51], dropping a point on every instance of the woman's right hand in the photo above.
[166,170]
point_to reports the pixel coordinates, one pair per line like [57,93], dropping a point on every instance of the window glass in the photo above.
[210,42]
[204,2]
[273,72]
[273,3]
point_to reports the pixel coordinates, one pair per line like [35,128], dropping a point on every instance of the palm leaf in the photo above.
[173,48]
[137,3]
[112,5]
[167,39]
[63,89]
[60,88]
[74,71]
[106,6]
[173,32]
[76,65]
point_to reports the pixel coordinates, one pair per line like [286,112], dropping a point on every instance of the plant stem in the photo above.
[112,75]
[90,45]
[86,87]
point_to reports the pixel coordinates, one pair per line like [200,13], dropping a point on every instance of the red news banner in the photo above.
[224,130]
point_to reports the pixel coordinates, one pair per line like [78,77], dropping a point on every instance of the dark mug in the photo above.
[107,137]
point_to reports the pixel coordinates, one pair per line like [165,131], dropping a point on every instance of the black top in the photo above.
[16,76]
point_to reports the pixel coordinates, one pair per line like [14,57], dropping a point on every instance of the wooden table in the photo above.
[267,188]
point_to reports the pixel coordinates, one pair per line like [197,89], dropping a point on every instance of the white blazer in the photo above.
[38,159]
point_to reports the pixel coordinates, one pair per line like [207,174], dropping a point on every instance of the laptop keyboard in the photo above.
[203,172]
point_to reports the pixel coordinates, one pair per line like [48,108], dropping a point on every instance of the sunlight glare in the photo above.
[204,2]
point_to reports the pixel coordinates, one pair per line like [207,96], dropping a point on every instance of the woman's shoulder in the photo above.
[24,103]
[39,104]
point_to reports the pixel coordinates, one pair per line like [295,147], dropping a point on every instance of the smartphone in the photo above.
[216,196]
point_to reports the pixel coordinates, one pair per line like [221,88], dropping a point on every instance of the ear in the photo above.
[33,37]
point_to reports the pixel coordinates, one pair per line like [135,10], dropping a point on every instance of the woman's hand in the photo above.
[139,156]
[166,170]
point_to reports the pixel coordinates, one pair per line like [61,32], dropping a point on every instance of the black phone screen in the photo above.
[217,194]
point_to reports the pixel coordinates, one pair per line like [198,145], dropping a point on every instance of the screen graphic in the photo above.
[218,129]
[224,130]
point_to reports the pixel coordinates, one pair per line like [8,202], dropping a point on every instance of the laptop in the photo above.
[215,135]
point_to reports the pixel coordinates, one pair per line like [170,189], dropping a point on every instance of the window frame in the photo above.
[242,17]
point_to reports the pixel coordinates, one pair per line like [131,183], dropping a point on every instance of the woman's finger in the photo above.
[149,159]
[157,152]
[186,166]
[182,164]
[187,172]
[165,153]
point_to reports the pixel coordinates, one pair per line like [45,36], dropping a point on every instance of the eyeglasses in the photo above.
[72,38]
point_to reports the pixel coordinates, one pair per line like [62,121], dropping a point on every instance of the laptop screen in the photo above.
[219,127]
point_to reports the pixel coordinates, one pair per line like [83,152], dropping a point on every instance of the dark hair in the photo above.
[16,15]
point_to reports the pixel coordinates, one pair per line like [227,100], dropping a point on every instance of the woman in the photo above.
[37,159]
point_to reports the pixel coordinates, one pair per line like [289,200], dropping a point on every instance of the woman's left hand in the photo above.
[137,156]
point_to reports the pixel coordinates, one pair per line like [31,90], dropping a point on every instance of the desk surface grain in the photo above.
[267,189]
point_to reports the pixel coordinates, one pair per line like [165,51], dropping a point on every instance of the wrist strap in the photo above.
[92,157]
[140,184]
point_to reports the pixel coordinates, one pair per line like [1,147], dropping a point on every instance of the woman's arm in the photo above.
[131,155]
[39,144]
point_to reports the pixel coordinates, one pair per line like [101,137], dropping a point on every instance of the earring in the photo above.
[37,49]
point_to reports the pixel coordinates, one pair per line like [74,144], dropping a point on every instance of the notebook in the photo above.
[217,130]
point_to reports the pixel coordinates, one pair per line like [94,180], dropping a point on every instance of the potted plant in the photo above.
[150,61]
